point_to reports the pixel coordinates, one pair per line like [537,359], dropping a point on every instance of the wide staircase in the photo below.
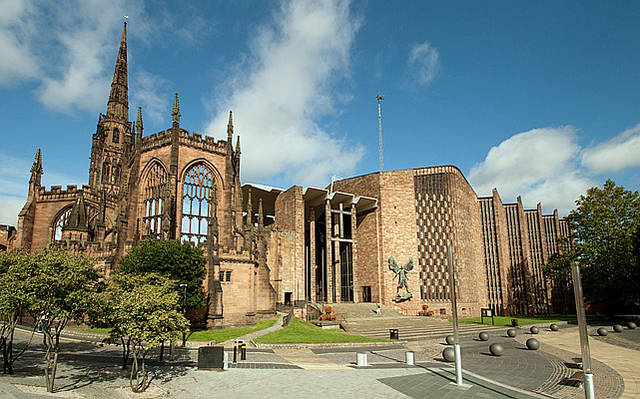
[361,319]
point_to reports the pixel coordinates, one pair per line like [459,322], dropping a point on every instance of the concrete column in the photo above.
[329,253]
[313,267]
[354,254]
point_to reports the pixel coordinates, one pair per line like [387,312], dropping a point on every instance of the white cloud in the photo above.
[424,62]
[288,84]
[69,47]
[150,92]
[621,152]
[86,38]
[9,209]
[540,165]
[14,184]
[17,61]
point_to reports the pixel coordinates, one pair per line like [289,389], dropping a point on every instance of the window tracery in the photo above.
[154,188]
[59,223]
[198,196]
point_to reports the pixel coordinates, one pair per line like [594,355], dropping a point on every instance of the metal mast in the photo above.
[379,97]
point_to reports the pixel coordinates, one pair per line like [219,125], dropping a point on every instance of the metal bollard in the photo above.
[362,359]
[225,363]
[235,352]
[409,358]
[243,351]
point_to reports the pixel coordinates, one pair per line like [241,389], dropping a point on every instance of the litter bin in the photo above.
[514,322]
[393,333]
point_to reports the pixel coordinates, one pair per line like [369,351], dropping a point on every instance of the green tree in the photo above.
[182,263]
[13,302]
[605,226]
[59,287]
[141,310]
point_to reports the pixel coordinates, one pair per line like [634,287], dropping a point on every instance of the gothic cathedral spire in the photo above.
[118,105]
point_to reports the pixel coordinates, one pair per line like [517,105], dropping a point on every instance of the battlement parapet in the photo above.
[206,143]
[72,191]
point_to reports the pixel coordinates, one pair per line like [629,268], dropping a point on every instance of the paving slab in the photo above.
[624,361]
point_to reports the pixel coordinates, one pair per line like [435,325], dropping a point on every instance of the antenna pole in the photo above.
[379,97]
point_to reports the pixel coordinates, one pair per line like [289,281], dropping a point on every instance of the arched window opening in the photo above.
[198,195]
[59,223]
[105,172]
[116,135]
[153,201]
[63,218]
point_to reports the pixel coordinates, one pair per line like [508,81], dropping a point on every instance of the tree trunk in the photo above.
[126,351]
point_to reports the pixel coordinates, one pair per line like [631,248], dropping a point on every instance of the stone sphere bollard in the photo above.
[602,331]
[631,325]
[533,344]
[554,327]
[534,330]
[617,328]
[496,349]
[449,339]
[448,354]
[483,336]
[511,332]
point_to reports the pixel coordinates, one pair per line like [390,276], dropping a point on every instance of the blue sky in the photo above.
[536,99]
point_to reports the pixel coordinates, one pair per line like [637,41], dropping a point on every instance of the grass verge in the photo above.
[105,330]
[301,332]
[228,333]
[522,321]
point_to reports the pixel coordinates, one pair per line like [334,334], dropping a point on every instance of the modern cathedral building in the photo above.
[268,247]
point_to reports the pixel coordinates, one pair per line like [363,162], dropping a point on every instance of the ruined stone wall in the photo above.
[288,237]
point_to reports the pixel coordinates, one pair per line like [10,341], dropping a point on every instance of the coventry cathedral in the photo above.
[268,247]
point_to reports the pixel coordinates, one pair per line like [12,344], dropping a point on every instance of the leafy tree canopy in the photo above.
[606,224]
[180,262]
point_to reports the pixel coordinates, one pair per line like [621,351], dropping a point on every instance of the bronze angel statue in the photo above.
[401,273]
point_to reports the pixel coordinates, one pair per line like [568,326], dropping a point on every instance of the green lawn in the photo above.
[105,330]
[301,332]
[522,321]
[228,333]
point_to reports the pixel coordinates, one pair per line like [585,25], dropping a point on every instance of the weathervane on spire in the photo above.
[126,17]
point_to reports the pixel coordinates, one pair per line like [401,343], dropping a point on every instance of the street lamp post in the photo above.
[589,391]
[454,311]
[184,310]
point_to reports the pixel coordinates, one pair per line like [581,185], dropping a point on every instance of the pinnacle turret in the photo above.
[249,221]
[36,169]
[139,126]
[230,128]
[118,104]
[175,113]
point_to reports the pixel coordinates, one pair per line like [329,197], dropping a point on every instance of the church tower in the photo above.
[113,140]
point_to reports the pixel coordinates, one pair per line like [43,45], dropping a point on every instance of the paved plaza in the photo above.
[88,370]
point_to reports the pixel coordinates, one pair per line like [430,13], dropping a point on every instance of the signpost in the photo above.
[486,312]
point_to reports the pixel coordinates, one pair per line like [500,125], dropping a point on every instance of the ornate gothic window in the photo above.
[116,135]
[154,187]
[59,223]
[198,194]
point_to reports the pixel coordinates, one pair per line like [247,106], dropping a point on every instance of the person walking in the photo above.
[378,310]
